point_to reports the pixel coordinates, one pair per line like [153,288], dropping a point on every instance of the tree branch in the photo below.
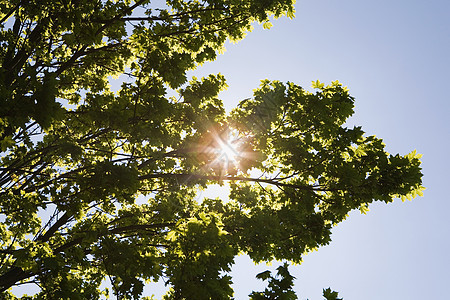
[186,178]
[49,233]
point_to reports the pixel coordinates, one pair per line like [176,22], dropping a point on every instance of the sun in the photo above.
[227,149]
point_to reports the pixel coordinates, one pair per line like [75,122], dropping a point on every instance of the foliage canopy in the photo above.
[100,184]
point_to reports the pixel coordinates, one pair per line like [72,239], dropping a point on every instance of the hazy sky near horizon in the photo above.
[394,56]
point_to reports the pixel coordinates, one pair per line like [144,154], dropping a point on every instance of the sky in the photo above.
[394,56]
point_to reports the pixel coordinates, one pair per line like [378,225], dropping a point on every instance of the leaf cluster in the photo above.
[99,184]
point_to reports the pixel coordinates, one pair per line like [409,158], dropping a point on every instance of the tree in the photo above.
[100,184]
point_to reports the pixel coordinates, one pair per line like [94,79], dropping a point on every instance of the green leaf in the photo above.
[317,85]
[364,208]
[267,25]
[264,275]
[6,143]
[171,235]
[330,295]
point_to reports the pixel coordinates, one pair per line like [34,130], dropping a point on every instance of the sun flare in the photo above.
[227,150]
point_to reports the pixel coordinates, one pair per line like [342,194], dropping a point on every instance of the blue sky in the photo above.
[395,58]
